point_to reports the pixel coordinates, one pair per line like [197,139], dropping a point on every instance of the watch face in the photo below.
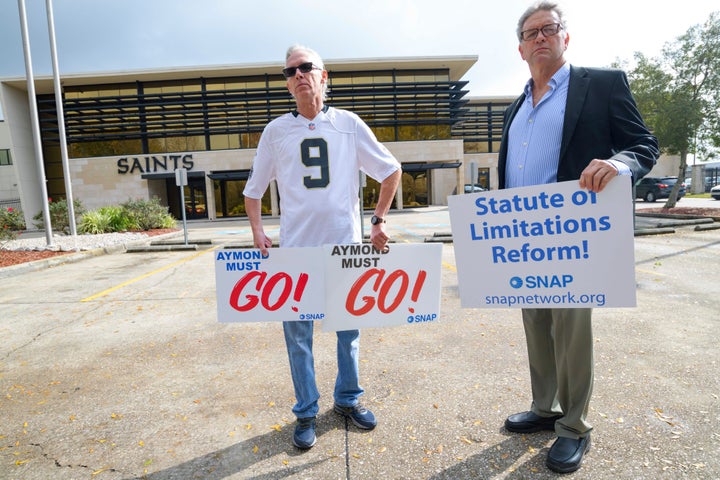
[375,220]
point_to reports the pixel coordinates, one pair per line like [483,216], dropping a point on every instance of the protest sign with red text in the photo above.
[346,286]
[286,285]
[367,288]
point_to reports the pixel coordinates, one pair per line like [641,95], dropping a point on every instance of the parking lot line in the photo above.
[146,275]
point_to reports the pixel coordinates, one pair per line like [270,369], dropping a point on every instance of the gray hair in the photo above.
[536,7]
[316,59]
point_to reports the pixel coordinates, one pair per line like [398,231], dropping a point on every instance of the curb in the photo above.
[13,270]
[641,232]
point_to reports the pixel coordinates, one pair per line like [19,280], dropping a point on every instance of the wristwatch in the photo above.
[375,220]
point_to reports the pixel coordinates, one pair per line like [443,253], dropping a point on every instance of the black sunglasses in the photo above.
[306,67]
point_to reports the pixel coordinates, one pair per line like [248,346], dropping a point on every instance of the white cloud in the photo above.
[101,35]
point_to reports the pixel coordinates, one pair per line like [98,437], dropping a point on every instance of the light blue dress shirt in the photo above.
[535,135]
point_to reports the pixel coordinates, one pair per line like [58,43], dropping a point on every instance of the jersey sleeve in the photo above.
[374,157]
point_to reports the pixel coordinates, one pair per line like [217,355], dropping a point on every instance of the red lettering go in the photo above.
[383,287]
[266,291]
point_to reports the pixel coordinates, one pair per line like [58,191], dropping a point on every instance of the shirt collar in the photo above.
[559,78]
[324,110]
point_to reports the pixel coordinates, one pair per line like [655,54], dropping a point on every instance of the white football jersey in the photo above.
[316,164]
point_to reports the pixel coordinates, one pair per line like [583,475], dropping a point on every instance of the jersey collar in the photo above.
[324,110]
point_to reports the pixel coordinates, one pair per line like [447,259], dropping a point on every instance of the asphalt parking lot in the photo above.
[115,367]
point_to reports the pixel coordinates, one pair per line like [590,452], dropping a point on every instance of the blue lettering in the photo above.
[420,318]
[240,255]
[241,266]
[548,281]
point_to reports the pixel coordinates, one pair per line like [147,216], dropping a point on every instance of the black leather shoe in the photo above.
[566,454]
[528,422]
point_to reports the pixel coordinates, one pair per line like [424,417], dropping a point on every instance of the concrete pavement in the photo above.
[115,367]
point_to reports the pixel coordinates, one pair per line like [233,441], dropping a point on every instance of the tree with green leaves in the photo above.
[679,94]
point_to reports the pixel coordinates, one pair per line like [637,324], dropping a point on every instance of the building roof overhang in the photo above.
[457,65]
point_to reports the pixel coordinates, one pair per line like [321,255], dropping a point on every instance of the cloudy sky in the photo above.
[112,35]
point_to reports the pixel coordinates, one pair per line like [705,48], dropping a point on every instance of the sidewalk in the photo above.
[115,367]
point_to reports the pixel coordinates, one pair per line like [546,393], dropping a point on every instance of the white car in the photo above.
[715,192]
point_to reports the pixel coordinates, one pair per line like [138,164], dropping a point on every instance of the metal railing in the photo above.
[12,203]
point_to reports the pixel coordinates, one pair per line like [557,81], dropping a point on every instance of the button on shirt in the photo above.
[535,135]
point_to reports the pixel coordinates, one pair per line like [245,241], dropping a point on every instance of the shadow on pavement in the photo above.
[242,456]
[514,458]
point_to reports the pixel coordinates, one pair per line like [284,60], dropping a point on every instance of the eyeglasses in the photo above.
[547,31]
[303,67]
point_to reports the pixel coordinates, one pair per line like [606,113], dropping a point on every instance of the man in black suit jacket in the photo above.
[571,123]
[613,129]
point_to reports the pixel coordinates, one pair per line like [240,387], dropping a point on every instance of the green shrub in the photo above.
[94,222]
[119,219]
[11,222]
[106,220]
[148,214]
[131,215]
[59,219]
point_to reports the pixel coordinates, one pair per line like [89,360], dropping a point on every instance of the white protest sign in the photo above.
[346,286]
[286,285]
[366,288]
[546,246]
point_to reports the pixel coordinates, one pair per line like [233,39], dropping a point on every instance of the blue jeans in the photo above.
[299,341]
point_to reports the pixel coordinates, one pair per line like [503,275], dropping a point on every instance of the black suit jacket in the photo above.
[601,121]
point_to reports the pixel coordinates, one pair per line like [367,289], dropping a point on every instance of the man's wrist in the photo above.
[376,220]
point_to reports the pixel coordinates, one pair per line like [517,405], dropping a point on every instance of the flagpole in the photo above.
[32,100]
[61,123]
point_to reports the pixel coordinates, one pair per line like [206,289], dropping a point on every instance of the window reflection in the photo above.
[230,202]
[415,189]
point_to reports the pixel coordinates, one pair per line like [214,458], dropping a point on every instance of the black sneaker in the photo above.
[360,416]
[304,436]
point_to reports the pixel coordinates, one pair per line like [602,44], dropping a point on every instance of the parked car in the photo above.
[652,188]
[715,192]
[473,188]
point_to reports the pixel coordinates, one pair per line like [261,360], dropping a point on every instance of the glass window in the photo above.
[407,132]
[415,189]
[475,147]
[230,202]
[384,134]
[483,178]
[195,143]
[157,145]
[105,149]
[5,158]
[340,79]
[253,139]
[371,192]
[219,142]
[428,132]
[278,82]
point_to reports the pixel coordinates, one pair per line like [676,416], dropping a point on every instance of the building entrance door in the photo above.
[195,199]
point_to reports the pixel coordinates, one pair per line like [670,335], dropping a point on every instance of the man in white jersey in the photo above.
[315,154]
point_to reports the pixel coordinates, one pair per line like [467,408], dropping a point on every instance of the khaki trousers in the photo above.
[560,353]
